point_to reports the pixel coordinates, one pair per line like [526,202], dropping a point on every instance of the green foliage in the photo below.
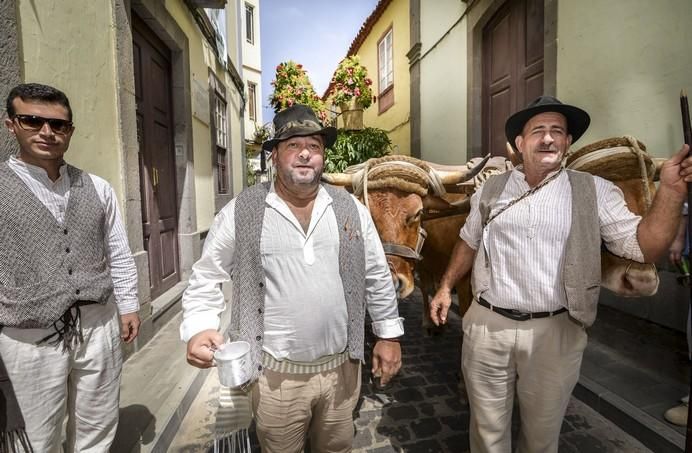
[249,171]
[354,147]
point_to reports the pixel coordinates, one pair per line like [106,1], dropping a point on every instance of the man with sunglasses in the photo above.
[68,283]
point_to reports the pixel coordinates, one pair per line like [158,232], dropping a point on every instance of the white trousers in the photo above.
[83,382]
[538,360]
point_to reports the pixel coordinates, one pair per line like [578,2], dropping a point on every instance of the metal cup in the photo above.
[233,362]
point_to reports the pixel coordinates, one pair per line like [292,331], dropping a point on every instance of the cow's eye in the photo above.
[415,217]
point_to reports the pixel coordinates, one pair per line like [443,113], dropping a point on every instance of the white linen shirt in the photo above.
[526,243]
[305,314]
[55,196]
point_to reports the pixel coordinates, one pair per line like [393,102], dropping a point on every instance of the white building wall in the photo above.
[252,66]
[443,82]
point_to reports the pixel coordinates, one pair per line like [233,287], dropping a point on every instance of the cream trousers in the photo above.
[538,360]
[83,384]
[288,407]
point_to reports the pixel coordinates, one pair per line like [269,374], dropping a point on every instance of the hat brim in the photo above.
[329,134]
[577,120]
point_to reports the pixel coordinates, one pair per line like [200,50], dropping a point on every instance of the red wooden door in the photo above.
[152,70]
[512,67]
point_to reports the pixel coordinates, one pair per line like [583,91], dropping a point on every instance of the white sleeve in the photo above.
[118,254]
[203,300]
[380,295]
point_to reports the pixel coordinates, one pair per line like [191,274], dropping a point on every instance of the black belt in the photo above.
[517,315]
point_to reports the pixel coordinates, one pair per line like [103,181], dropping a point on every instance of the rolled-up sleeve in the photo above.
[380,295]
[203,300]
[471,232]
[618,225]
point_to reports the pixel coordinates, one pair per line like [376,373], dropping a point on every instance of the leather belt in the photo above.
[517,315]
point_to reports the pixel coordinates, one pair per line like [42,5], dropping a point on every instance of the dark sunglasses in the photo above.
[34,123]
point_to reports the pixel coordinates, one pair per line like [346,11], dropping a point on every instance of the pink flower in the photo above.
[356,91]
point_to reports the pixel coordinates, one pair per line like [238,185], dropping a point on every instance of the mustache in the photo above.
[547,148]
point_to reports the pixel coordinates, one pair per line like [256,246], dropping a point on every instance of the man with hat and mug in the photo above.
[533,238]
[305,260]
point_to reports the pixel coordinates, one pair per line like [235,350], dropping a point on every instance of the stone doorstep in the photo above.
[650,431]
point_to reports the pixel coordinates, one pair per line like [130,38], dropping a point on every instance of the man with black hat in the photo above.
[536,277]
[305,261]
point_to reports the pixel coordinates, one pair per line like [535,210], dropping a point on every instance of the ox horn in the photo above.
[658,163]
[457,177]
[338,179]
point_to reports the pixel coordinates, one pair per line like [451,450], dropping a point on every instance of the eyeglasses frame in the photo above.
[20,116]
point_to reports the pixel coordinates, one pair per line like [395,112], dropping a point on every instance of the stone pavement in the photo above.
[424,409]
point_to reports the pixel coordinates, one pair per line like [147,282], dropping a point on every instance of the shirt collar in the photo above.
[519,174]
[35,170]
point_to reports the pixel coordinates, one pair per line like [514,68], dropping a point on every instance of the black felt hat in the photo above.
[577,119]
[298,121]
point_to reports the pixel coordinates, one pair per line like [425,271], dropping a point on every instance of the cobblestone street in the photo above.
[424,409]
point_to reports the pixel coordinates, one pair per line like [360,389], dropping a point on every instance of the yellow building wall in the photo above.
[625,63]
[201,59]
[60,51]
[396,120]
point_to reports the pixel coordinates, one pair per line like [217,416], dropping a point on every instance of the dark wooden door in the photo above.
[512,67]
[152,68]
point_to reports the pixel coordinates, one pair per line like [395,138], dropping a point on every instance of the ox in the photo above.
[397,191]
[403,208]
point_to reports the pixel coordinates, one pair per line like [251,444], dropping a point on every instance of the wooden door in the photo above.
[512,67]
[152,68]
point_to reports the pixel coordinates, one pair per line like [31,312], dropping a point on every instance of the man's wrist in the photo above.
[393,340]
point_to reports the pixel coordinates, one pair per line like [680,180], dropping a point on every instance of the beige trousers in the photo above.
[289,407]
[538,360]
[84,383]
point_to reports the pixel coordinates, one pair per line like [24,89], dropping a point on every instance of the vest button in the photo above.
[67,250]
[261,285]
[259,310]
[76,292]
[69,272]
[64,231]
[258,337]
[259,367]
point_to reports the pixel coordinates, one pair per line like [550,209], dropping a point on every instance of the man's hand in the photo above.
[386,360]
[676,172]
[129,327]
[201,347]
[439,306]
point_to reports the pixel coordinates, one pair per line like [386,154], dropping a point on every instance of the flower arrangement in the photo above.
[351,81]
[292,86]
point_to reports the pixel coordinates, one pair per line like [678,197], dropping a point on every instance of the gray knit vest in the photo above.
[46,267]
[581,275]
[247,312]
